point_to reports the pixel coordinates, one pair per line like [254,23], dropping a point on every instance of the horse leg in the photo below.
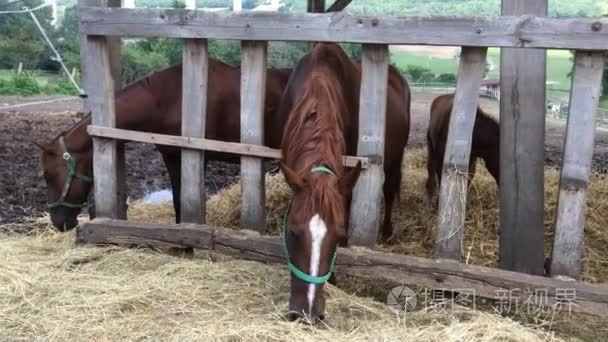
[431,181]
[391,188]
[174,168]
[437,169]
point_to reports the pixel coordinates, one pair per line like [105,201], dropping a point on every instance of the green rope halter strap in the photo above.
[70,164]
[293,268]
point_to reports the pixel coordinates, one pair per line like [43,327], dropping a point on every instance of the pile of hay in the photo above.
[51,290]
[415,222]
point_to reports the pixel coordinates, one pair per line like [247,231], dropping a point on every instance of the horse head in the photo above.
[314,226]
[67,173]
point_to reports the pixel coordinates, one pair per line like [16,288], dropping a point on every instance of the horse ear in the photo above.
[41,146]
[293,179]
[349,179]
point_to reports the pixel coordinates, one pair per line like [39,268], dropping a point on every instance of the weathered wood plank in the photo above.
[338,5]
[367,194]
[507,31]
[194,114]
[122,191]
[358,262]
[83,42]
[122,232]
[99,86]
[522,152]
[454,179]
[253,85]
[576,165]
[114,48]
[314,6]
[204,144]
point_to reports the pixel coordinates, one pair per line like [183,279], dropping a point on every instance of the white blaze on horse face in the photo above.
[318,229]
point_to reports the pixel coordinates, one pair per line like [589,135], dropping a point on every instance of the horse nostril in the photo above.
[321,317]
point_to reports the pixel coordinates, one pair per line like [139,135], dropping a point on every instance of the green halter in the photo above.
[293,268]
[70,164]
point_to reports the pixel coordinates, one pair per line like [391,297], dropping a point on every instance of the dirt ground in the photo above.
[22,188]
[23,192]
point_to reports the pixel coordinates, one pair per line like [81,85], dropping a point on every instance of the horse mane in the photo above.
[314,133]
[314,125]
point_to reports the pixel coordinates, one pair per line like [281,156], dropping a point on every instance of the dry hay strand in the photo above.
[51,290]
[415,221]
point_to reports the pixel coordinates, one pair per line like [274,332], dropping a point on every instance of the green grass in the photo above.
[558,65]
[604,102]
[42,77]
[437,65]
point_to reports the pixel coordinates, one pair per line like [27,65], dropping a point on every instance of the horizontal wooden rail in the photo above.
[499,31]
[206,144]
[358,262]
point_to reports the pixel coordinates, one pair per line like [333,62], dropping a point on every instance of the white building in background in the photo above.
[128,3]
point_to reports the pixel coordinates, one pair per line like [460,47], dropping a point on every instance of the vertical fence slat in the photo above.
[315,6]
[115,47]
[253,86]
[100,102]
[96,66]
[453,191]
[194,114]
[576,167]
[522,137]
[367,194]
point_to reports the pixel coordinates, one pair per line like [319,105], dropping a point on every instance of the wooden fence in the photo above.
[523,37]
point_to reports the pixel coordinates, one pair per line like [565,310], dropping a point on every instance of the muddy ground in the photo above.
[23,192]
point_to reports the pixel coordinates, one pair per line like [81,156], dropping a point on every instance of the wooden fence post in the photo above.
[122,190]
[314,6]
[253,92]
[576,166]
[100,102]
[522,138]
[454,178]
[367,194]
[194,113]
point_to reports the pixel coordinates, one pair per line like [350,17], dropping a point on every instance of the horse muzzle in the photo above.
[64,219]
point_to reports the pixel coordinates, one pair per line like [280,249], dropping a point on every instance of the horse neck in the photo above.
[488,138]
[77,139]
[137,107]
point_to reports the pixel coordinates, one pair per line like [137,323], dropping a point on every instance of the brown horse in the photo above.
[485,144]
[320,107]
[152,104]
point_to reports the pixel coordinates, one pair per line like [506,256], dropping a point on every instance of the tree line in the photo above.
[20,41]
